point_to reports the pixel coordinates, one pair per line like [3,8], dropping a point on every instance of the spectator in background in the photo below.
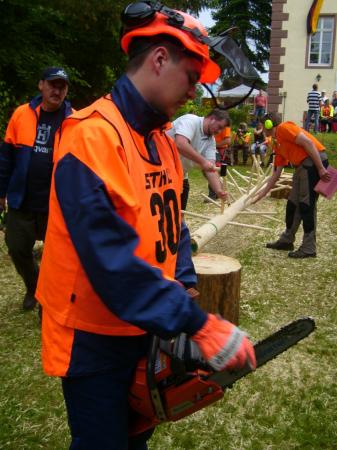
[334,121]
[323,97]
[334,99]
[260,106]
[326,115]
[314,102]
[259,146]
[241,141]
[194,137]
[26,164]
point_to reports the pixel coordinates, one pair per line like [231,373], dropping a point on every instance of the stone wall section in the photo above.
[275,84]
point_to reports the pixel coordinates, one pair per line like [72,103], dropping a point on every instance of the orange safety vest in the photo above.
[146,195]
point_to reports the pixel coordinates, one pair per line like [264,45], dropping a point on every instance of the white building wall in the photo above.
[297,79]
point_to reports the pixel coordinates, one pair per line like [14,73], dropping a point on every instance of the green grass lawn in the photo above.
[290,403]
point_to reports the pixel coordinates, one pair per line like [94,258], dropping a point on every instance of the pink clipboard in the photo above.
[328,188]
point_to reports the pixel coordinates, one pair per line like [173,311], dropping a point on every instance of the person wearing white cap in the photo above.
[323,97]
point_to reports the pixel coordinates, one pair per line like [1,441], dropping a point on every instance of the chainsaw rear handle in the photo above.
[151,378]
[184,356]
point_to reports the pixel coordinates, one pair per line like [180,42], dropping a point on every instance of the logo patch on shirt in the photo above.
[43,133]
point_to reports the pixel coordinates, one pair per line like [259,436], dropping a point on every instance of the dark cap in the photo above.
[55,73]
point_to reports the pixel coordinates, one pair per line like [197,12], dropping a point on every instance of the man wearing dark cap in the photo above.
[26,163]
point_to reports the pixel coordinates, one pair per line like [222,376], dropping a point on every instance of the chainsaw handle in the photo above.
[151,362]
[151,378]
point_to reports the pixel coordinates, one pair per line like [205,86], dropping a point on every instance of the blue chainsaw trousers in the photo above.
[98,410]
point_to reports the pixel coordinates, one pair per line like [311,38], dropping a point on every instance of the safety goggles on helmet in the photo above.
[149,18]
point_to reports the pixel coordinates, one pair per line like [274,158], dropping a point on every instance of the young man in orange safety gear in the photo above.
[117,263]
[295,145]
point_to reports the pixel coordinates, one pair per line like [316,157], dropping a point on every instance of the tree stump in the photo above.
[219,280]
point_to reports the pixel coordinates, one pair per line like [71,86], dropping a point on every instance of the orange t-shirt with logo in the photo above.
[285,148]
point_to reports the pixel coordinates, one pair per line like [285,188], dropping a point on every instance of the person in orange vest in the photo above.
[26,163]
[117,264]
[326,115]
[241,141]
[295,145]
[223,142]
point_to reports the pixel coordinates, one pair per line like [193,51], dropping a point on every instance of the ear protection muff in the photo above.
[268,124]
[139,14]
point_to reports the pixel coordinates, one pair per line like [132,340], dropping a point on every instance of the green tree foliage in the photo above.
[80,35]
[238,115]
[253,20]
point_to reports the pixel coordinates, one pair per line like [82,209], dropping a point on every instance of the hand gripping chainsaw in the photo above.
[174,380]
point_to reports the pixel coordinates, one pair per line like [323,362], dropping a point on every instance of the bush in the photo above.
[240,114]
[7,100]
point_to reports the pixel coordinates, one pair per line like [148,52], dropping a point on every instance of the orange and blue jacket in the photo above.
[115,241]
[16,150]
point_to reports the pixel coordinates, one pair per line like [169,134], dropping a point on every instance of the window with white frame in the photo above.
[321,43]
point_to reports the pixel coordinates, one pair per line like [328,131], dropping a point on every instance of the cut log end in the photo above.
[219,279]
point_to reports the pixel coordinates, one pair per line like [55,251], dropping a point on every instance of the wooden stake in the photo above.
[267,215]
[241,191]
[211,200]
[192,214]
[248,225]
[250,211]
[243,177]
[280,188]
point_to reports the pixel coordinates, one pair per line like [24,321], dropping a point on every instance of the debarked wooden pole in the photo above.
[201,236]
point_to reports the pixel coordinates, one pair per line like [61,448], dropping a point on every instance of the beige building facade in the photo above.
[298,59]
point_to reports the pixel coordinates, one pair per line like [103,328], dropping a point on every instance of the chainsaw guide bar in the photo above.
[269,348]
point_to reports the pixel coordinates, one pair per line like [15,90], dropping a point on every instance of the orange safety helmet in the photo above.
[187,34]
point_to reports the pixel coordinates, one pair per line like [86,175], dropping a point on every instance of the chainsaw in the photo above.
[175,381]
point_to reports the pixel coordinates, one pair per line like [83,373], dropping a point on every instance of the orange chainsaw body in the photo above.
[177,400]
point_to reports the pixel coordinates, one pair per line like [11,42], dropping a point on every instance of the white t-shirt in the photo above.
[191,127]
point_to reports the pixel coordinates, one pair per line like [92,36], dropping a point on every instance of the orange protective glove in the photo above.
[223,345]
